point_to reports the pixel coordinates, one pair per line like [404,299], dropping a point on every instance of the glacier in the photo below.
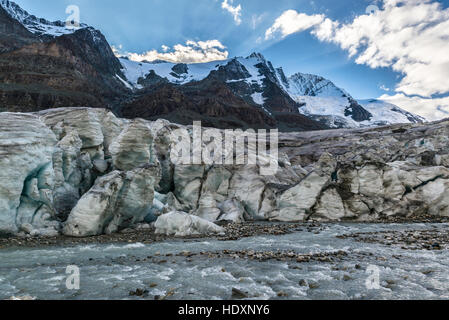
[83,172]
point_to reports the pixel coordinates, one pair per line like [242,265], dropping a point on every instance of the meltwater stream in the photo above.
[112,271]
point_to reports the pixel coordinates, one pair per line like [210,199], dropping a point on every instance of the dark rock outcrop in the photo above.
[13,34]
[77,69]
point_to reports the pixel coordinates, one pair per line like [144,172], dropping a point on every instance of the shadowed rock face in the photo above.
[211,102]
[83,172]
[91,46]
[357,112]
[71,70]
[13,34]
[215,104]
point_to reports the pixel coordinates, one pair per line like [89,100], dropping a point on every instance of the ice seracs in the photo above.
[27,147]
[85,172]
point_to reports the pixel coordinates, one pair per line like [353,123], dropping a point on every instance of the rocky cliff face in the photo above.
[13,34]
[81,172]
[45,65]
[72,70]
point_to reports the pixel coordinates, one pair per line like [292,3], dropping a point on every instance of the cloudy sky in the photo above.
[390,49]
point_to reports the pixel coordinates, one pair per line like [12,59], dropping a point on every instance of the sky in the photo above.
[395,50]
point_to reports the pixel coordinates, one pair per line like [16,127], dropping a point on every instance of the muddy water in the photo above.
[111,271]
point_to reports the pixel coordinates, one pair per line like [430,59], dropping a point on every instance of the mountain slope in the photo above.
[77,69]
[235,93]
[38,26]
[321,99]
[258,83]
[385,113]
[301,84]
[13,34]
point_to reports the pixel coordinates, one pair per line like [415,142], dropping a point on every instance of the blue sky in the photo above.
[138,26]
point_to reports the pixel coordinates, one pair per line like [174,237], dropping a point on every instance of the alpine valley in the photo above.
[86,180]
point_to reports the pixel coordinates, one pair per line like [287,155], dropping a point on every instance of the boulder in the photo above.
[181,224]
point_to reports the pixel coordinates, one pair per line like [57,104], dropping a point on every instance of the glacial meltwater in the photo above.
[370,270]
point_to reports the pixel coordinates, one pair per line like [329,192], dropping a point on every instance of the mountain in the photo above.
[43,70]
[257,82]
[13,34]
[322,100]
[38,26]
[385,113]
[234,93]
[45,65]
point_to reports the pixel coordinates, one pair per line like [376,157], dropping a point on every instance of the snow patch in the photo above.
[258,98]
[134,70]
[387,113]
[125,82]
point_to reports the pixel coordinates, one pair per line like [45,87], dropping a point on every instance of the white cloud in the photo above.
[235,11]
[191,52]
[291,22]
[411,37]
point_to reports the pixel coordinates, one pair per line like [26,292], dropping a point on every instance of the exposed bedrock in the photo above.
[84,172]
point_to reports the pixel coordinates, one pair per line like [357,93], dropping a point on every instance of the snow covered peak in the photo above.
[322,100]
[302,84]
[97,36]
[38,26]
[385,113]
[137,71]
[258,56]
[255,79]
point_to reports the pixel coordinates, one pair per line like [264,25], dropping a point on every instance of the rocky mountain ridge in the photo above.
[259,83]
[40,27]
[77,68]
[45,65]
